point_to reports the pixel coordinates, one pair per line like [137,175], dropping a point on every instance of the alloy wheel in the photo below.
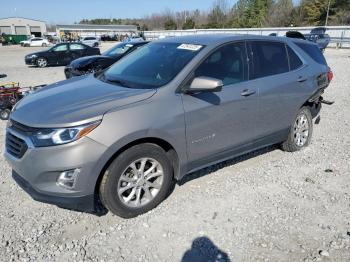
[140,182]
[301,130]
[42,62]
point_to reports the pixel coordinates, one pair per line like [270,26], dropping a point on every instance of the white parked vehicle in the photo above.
[91,41]
[36,41]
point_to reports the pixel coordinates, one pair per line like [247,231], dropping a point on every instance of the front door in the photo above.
[61,54]
[219,122]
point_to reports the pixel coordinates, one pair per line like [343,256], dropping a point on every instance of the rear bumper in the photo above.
[81,203]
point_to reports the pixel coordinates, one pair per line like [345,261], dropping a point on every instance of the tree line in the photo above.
[243,14]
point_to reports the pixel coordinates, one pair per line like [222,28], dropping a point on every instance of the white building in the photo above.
[95,30]
[22,26]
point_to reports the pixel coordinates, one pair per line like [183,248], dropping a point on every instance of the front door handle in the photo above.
[247,92]
[302,79]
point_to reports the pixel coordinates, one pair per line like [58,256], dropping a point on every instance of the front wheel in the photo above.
[41,62]
[44,45]
[5,114]
[300,132]
[136,181]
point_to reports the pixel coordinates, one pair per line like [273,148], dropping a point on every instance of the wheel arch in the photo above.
[165,145]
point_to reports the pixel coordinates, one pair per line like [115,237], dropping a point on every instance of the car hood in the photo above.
[84,61]
[38,53]
[75,101]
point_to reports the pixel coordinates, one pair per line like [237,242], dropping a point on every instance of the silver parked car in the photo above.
[91,41]
[121,138]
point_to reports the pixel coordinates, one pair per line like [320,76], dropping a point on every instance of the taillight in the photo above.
[330,75]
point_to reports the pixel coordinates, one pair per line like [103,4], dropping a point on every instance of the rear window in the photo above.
[294,60]
[314,52]
[269,58]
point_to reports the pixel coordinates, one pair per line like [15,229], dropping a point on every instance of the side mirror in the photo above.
[205,84]
[3,75]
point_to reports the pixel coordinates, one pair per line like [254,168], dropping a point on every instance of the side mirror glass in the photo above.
[205,84]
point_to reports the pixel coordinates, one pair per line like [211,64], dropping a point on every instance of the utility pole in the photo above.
[329,3]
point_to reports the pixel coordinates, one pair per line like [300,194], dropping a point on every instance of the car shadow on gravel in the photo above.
[203,249]
[230,162]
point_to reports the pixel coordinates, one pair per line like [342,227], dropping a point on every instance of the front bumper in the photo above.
[30,61]
[86,203]
[38,169]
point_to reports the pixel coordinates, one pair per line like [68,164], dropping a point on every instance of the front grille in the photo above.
[15,146]
[22,128]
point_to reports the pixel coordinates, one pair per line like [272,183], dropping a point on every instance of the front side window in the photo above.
[268,58]
[228,63]
[152,66]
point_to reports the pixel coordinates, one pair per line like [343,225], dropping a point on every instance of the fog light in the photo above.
[67,179]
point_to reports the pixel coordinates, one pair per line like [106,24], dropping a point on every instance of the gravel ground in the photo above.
[266,206]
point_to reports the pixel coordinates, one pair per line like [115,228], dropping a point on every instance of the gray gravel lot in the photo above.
[266,206]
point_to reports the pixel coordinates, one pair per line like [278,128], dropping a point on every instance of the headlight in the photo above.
[31,56]
[59,136]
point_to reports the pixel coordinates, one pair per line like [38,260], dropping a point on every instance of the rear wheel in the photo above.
[136,181]
[301,131]
[5,114]
[41,62]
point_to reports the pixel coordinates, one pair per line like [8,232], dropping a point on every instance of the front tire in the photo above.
[44,45]
[138,180]
[41,62]
[300,132]
[5,114]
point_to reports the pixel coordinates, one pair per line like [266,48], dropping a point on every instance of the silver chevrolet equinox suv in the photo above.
[121,138]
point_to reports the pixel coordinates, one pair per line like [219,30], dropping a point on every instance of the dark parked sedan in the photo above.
[91,64]
[60,54]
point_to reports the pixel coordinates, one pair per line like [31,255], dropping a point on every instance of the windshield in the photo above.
[151,66]
[118,49]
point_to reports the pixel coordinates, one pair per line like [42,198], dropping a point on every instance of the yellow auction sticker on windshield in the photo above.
[189,47]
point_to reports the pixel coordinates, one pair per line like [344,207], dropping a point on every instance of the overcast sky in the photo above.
[70,11]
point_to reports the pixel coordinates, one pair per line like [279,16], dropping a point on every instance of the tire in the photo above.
[298,138]
[44,45]
[41,62]
[5,114]
[114,178]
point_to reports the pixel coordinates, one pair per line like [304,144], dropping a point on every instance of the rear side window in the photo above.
[76,47]
[228,63]
[314,52]
[269,58]
[294,60]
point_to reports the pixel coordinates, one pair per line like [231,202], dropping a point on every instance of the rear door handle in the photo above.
[247,92]
[302,79]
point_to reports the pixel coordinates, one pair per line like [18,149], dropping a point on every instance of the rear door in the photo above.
[218,122]
[77,50]
[281,91]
